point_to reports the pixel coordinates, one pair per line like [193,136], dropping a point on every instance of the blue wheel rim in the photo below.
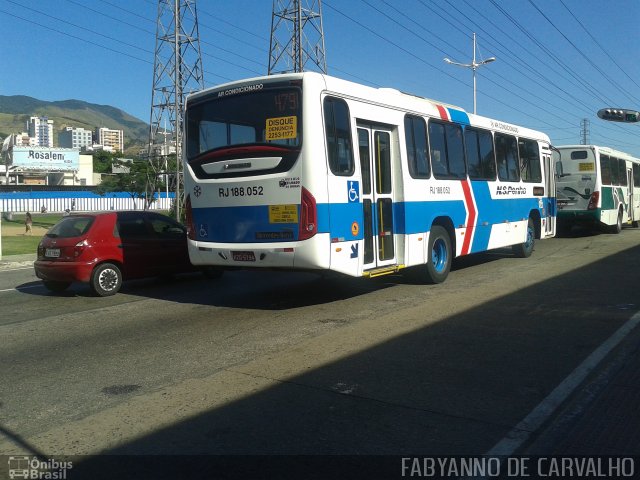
[439,255]
[529,243]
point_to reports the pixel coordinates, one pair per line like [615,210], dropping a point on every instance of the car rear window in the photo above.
[69,227]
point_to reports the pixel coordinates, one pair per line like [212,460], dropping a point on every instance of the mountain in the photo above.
[15,111]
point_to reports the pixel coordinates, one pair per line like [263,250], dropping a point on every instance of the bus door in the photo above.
[377,196]
[630,199]
[550,187]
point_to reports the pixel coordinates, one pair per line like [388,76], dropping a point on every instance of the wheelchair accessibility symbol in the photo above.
[352,191]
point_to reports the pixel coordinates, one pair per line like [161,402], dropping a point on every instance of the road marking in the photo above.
[15,269]
[532,422]
[19,288]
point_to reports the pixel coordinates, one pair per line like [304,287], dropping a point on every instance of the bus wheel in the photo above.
[617,227]
[524,250]
[440,255]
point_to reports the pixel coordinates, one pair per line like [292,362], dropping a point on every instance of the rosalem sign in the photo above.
[46,159]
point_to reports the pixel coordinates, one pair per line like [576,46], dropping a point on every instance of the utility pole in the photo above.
[297,37]
[473,66]
[177,71]
[584,131]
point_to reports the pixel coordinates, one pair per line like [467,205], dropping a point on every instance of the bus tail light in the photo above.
[593,201]
[188,215]
[308,226]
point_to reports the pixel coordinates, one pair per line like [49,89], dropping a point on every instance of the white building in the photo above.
[23,140]
[41,129]
[75,137]
[110,138]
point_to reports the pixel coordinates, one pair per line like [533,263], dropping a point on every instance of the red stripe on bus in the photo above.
[471,219]
[443,112]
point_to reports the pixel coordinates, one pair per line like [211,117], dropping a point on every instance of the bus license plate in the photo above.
[52,252]
[243,256]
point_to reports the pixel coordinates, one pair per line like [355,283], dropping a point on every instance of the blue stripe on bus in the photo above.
[242,224]
[458,116]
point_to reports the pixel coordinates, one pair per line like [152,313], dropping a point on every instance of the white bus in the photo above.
[597,187]
[307,171]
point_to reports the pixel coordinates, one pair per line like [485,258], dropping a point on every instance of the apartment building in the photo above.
[110,138]
[75,137]
[41,128]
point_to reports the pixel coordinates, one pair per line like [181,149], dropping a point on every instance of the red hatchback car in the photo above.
[103,249]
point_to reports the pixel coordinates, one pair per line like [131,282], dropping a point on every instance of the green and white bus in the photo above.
[597,186]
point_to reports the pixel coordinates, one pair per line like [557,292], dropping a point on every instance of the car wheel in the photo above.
[56,286]
[524,250]
[440,255]
[106,280]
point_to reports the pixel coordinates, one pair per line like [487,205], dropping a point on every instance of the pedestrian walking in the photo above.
[28,223]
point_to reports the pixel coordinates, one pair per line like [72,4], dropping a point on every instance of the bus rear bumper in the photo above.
[308,254]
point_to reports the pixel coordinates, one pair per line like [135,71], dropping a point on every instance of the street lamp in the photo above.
[473,66]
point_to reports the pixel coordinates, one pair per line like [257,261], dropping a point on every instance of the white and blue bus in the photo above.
[307,171]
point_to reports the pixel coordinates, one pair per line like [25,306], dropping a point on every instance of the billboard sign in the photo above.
[45,159]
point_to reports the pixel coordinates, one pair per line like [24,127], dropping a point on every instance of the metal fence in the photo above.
[60,201]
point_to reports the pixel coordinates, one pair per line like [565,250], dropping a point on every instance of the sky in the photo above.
[557,61]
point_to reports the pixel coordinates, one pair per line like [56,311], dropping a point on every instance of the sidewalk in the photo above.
[7,262]
[602,417]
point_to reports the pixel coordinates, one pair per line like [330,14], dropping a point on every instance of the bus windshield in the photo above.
[268,117]
[575,164]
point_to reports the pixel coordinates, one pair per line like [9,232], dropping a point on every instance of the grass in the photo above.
[13,245]
[14,240]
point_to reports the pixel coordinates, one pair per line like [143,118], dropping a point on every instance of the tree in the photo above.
[132,180]
[102,161]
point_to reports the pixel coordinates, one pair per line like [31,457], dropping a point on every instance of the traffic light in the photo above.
[619,115]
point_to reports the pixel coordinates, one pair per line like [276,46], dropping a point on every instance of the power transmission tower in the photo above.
[177,71]
[584,131]
[297,37]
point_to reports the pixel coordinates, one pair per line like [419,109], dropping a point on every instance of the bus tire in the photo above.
[440,255]
[617,227]
[524,250]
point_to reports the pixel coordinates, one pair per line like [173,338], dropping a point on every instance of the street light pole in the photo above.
[473,66]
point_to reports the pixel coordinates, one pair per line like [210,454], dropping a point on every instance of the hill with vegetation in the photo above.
[15,111]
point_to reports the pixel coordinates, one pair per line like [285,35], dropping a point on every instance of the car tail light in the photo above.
[593,201]
[79,247]
[188,215]
[40,250]
[308,226]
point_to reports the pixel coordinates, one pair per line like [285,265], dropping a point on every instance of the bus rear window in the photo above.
[269,117]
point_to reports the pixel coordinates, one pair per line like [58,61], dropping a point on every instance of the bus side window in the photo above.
[415,132]
[437,149]
[605,170]
[529,161]
[338,135]
[507,158]
[622,172]
[636,175]
[455,151]
[480,157]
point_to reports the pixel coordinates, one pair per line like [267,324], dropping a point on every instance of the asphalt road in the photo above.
[263,363]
